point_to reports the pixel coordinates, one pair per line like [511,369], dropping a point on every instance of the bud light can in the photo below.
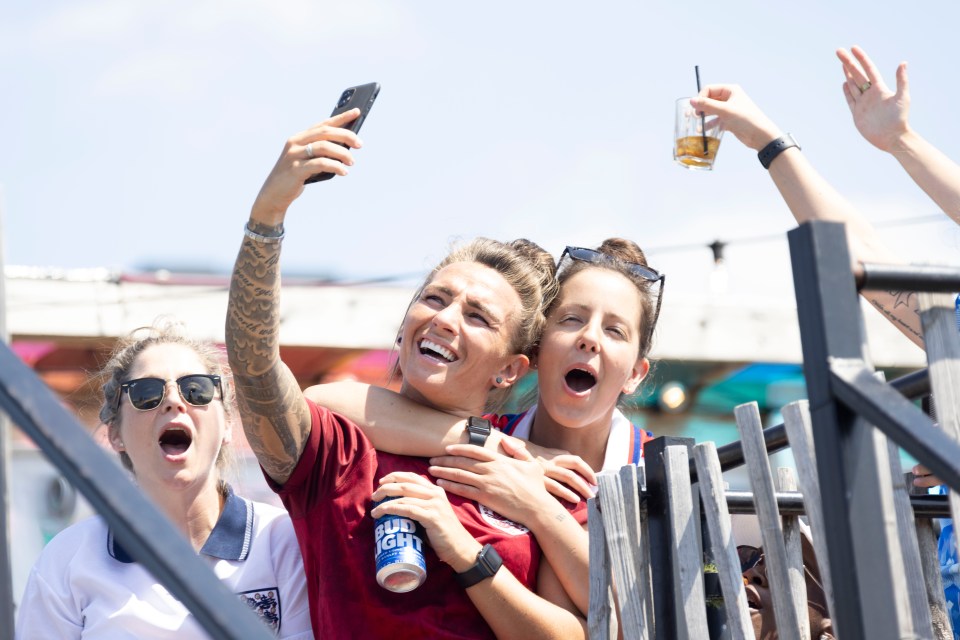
[400,563]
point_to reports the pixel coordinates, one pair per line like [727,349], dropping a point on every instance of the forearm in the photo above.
[392,422]
[810,197]
[275,416]
[513,611]
[932,170]
[565,545]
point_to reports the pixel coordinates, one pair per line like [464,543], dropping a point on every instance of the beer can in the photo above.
[399,542]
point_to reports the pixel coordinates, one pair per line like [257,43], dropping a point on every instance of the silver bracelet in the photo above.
[253,235]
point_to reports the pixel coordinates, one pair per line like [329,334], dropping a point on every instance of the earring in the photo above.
[499,380]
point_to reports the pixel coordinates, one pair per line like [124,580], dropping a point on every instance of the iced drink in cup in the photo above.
[696,137]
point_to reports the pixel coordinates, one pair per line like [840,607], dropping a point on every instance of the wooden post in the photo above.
[796,419]
[710,479]
[688,558]
[601,623]
[622,555]
[792,545]
[943,357]
[789,625]
[929,560]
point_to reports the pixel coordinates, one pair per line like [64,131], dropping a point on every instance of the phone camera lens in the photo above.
[345,97]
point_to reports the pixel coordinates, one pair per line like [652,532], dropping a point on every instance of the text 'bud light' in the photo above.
[400,563]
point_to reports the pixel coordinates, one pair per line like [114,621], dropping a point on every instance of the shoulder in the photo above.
[76,541]
[272,523]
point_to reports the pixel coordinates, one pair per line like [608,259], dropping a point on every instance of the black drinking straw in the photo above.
[703,118]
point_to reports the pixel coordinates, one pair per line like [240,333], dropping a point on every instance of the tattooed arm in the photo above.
[810,197]
[275,415]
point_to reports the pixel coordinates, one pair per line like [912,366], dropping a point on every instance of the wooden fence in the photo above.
[664,561]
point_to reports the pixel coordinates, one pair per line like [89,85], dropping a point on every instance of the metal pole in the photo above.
[7,613]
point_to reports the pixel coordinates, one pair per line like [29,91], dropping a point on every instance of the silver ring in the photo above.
[866,85]
[309,149]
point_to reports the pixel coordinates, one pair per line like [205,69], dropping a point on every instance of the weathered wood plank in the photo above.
[622,555]
[601,623]
[796,420]
[789,625]
[710,479]
[688,558]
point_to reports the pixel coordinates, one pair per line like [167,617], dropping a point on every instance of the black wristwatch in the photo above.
[478,430]
[775,148]
[488,563]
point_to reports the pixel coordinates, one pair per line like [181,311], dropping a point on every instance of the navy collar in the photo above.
[229,540]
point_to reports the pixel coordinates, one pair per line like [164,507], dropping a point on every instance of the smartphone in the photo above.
[362,97]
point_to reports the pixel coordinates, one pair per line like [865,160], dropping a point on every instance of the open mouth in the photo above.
[753,598]
[175,441]
[435,351]
[580,380]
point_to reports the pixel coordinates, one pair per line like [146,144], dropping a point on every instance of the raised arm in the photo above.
[275,415]
[882,117]
[810,197]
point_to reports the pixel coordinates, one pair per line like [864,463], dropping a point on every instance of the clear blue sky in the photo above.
[138,133]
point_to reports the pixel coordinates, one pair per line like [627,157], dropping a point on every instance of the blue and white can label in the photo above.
[400,563]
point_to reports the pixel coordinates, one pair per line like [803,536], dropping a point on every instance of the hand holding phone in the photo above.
[361,97]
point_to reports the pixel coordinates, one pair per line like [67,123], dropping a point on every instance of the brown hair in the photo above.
[526,267]
[621,254]
[125,354]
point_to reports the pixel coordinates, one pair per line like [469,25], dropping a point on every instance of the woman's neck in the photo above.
[589,442]
[454,406]
[194,514]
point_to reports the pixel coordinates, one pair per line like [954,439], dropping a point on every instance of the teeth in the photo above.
[433,346]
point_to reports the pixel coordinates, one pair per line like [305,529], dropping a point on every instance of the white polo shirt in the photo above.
[85,585]
[623,442]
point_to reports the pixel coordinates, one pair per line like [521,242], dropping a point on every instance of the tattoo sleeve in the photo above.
[276,419]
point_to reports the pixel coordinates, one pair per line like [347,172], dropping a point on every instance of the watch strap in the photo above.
[487,565]
[478,430]
[775,148]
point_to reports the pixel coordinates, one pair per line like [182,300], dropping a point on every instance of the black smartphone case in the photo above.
[361,96]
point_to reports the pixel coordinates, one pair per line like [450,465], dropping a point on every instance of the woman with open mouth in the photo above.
[592,353]
[166,405]
[465,338]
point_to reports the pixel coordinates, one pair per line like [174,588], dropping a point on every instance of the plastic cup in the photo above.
[696,138]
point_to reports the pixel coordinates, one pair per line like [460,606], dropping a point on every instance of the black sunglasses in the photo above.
[596,257]
[147,393]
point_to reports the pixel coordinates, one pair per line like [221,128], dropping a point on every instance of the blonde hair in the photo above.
[529,269]
[125,354]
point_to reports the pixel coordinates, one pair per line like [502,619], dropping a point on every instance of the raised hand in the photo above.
[880,115]
[737,113]
[324,147]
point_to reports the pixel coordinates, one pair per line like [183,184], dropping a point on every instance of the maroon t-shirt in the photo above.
[328,497]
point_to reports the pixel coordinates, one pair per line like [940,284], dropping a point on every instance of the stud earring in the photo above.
[499,380]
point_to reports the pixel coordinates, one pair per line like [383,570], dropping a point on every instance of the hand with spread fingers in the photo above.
[512,487]
[324,147]
[567,476]
[881,115]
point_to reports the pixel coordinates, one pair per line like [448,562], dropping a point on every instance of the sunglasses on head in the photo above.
[145,394]
[581,254]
